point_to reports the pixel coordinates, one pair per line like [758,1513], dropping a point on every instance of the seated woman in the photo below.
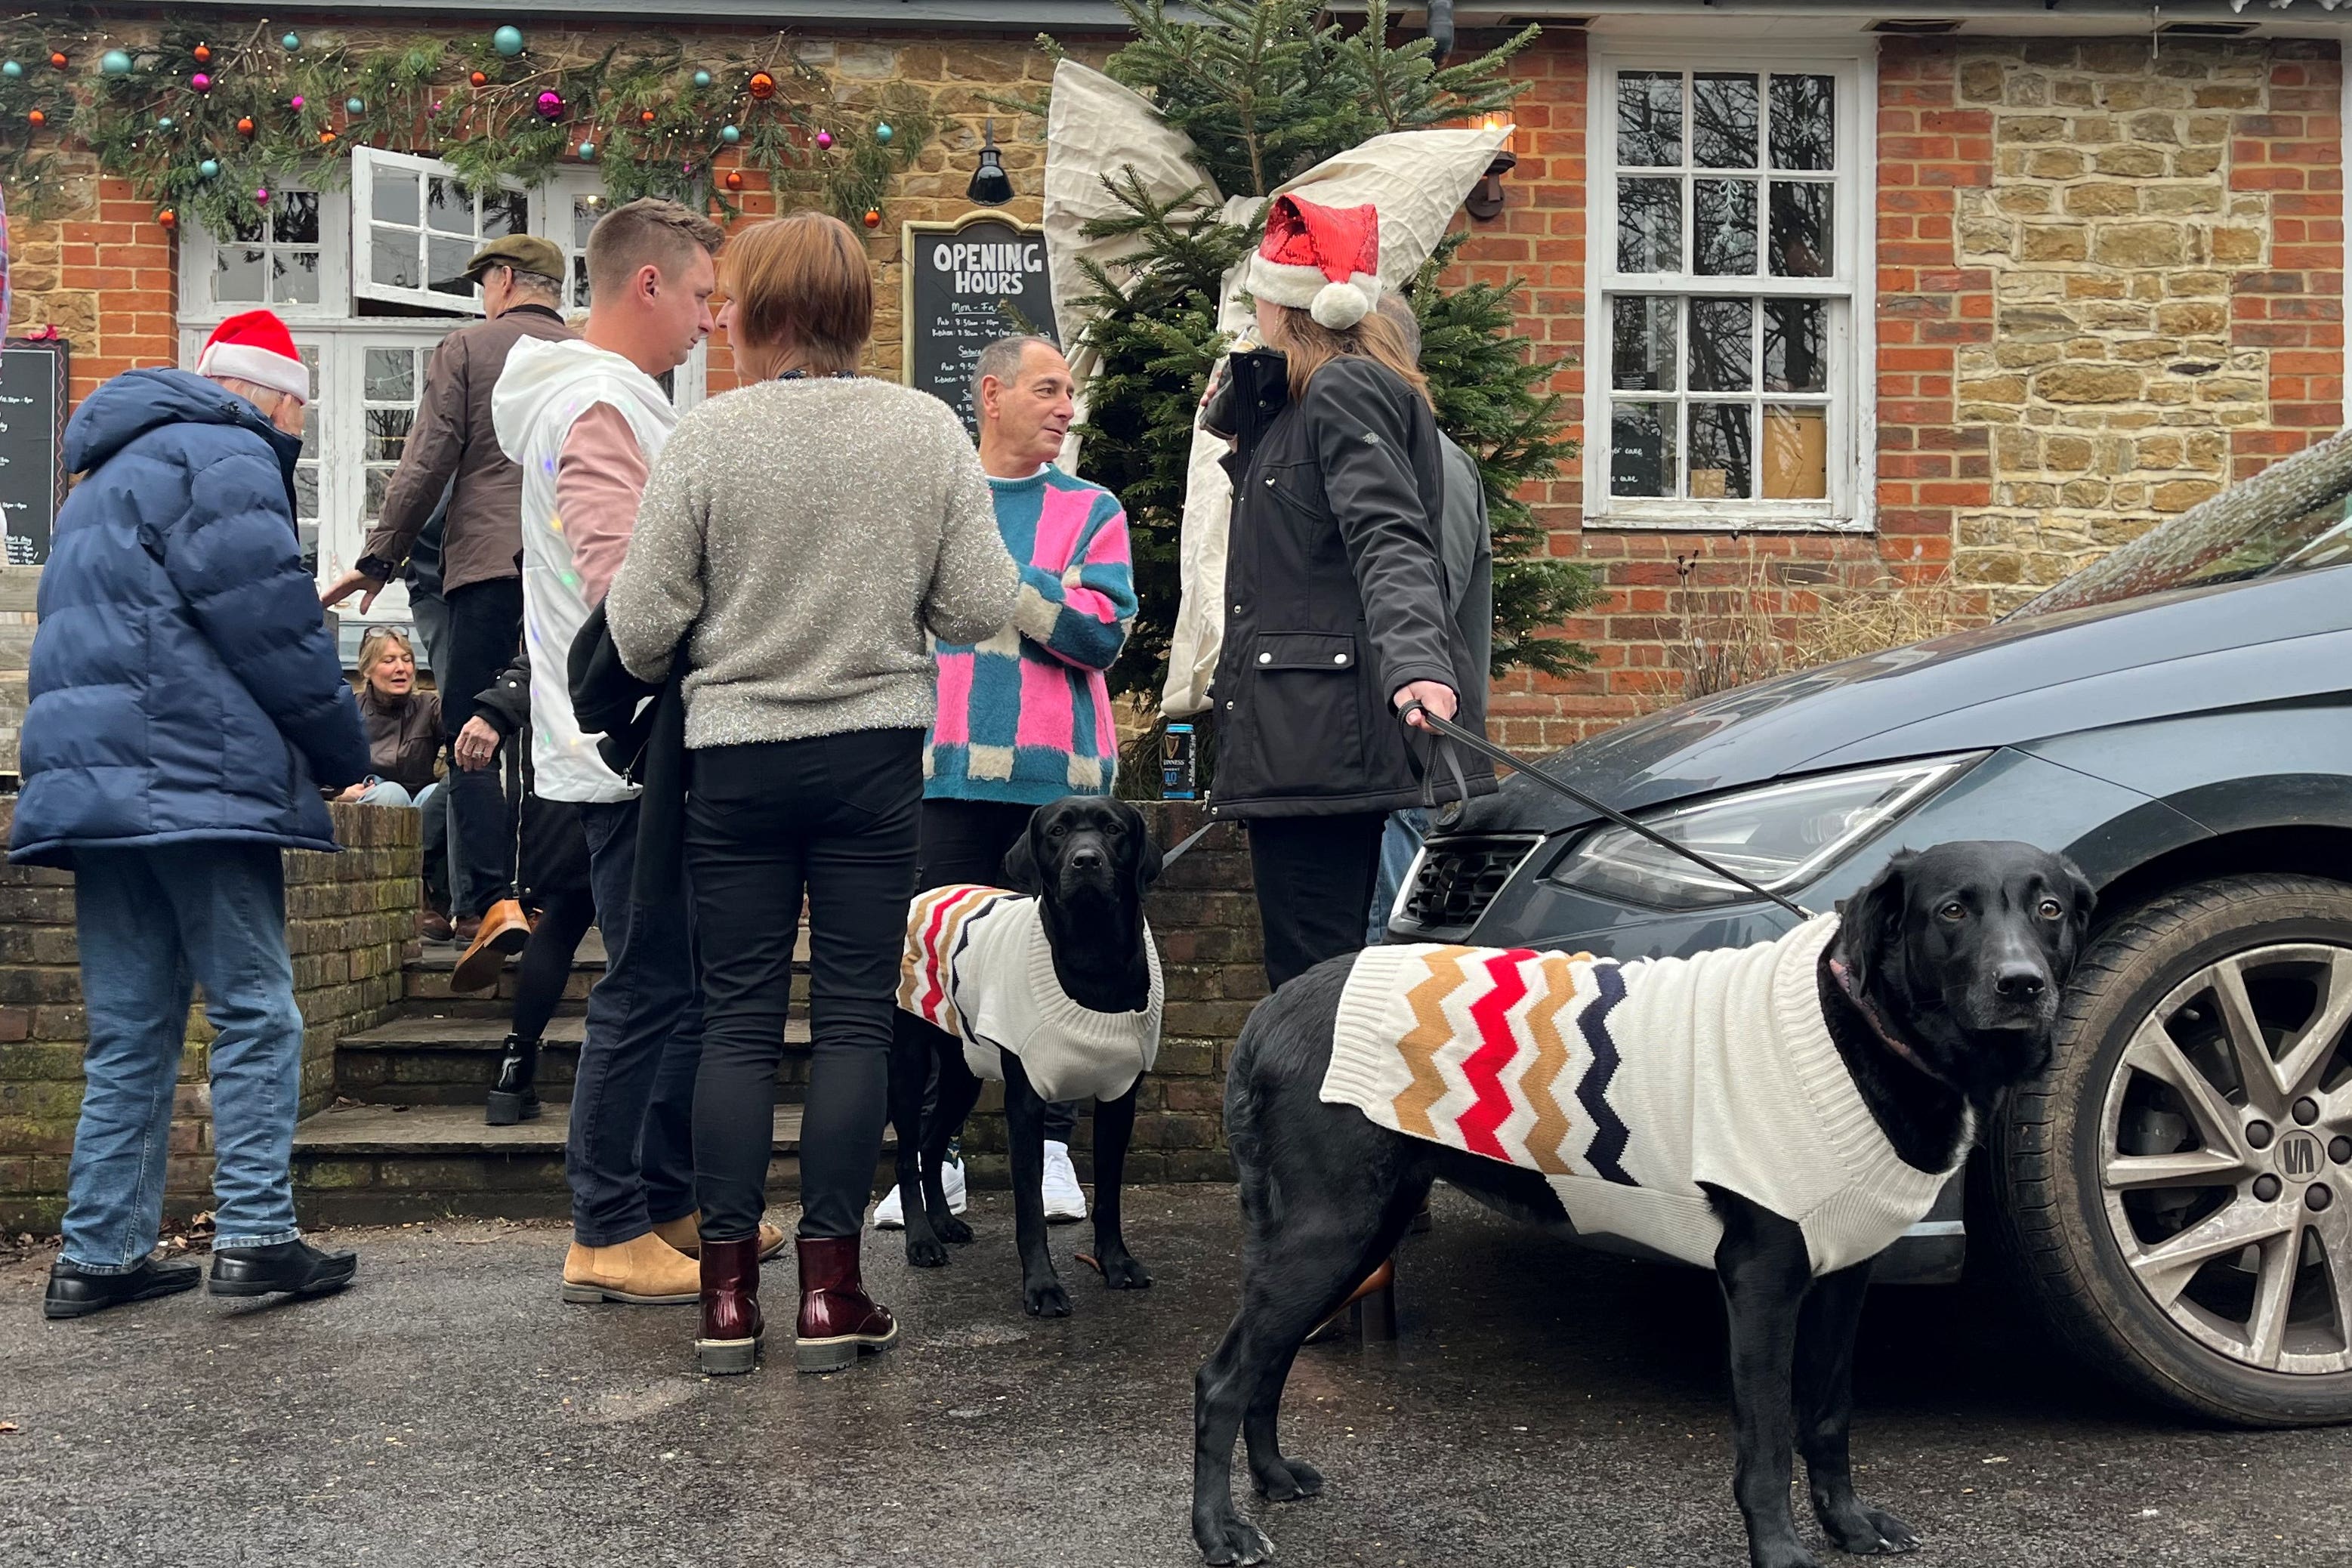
[403,730]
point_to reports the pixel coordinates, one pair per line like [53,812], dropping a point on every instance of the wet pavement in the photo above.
[1544,1406]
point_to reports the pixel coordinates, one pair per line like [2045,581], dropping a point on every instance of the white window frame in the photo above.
[200,253]
[1850,504]
[365,163]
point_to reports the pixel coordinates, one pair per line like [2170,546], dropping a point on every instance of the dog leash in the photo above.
[1446,730]
[1189,840]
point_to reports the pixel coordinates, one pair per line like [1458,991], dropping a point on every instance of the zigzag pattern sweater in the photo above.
[1629,1085]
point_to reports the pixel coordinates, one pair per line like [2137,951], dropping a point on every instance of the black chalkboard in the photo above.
[33,382]
[969,284]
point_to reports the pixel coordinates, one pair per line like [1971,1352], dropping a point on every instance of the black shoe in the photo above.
[512,1098]
[292,1267]
[75,1292]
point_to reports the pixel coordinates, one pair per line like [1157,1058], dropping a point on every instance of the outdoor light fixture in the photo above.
[991,185]
[1485,200]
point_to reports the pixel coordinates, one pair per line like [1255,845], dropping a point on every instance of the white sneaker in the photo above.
[1065,1200]
[890,1215]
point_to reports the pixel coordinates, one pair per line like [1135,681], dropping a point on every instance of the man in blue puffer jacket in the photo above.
[186,707]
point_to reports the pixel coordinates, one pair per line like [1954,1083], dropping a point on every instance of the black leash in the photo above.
[1446,730]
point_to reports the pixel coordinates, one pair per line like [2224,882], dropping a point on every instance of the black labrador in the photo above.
[1089,860]
[1955,957]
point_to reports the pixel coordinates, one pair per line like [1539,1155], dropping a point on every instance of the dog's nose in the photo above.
[2021,982]
[1086,860]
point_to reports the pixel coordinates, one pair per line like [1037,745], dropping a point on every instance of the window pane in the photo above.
[378,482]
[396,197]
[586,210]
[310,355]
[1804,122]
[391,260]
[387,433]
[249,233]
[1796,454]
[450,210]
[1720,346]
[391,375]
[294,277]
[580,282]
[1801,229]
[294,217]
[449,258]
[505,212]
[1648,225]
[1641,449]
[1795,345]
[1720,449]
[1725,213]
[1650,119]
[1723,122]
[236,276]
[1645,343]
[306,491]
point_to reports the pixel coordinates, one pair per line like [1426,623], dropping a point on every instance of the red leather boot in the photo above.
[839,1322]
[729,1340]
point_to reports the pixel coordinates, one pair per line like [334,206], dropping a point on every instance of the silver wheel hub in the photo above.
[2226,1157]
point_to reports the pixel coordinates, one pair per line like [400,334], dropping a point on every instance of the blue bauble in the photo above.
[587,152]
[165,122]
[508,41]
[11,70]
[290,41]
[730,134]
[883,133]
[209,169]
[702,78]
[353,106]
[114,62]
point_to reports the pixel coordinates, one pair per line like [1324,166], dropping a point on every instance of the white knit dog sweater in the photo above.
[1630,1085]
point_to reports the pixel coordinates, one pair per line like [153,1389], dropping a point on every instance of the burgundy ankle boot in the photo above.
[839,1321]
[729,1340]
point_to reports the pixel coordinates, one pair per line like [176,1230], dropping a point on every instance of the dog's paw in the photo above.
[951,1229]
[1231,1539]
[1122,1272]
[1287,1481]
[1790,1553]
[926,1254]
[1868,1532]
[1045,1299]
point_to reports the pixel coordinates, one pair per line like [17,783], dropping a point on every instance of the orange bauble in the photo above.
[478,79]
[646,117]
[168,219]
[763,86]
[203,53]
[734,179]
[325,137]
[245,126]
[36,118]
[58,60]
[873,217]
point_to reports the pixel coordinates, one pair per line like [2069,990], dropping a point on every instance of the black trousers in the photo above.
[966,841]
[1315,877]
[485,629]
[834,817]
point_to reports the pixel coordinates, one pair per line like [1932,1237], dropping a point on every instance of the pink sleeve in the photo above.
[599,480]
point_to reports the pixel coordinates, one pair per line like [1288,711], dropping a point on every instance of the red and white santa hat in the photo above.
[257,347]
[1323,261]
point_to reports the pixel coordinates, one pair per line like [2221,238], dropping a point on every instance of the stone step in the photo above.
[439,1058]
[424,978]
[376,1165]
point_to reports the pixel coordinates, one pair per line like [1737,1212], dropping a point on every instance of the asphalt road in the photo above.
[1544,1406]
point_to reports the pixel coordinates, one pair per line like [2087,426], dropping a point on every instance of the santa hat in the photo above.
[257,347]
[1323,261]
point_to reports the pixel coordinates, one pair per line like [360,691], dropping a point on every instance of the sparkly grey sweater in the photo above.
[802,541]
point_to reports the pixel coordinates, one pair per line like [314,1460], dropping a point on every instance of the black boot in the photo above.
[288,1268]
[75,1294]
[512,1098]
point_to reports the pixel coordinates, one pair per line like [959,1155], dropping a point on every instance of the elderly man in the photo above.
[452,447]
[187,709]
[1024,718]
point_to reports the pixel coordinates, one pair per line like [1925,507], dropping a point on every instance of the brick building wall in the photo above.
[348,918]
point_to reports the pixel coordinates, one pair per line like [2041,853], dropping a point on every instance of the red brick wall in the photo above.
[105,279]
[2293,152]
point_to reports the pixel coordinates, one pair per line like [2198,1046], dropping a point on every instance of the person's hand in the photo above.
[352,795]
[476,744]
[1433,695]
[352,582]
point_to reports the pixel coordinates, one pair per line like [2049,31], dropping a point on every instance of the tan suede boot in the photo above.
[643,1271]
[685,1233]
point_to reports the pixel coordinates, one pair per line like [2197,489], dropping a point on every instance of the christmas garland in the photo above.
[205,128]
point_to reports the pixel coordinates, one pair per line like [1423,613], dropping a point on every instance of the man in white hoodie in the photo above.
[584,420]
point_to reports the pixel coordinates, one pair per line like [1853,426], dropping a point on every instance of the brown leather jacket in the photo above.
[404,736]
[453,439]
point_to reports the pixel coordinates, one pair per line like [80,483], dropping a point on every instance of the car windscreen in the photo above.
[2295,516]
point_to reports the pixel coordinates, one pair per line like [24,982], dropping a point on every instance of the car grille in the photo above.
[1456,879]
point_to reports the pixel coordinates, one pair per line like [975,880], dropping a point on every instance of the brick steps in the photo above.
[444,1058]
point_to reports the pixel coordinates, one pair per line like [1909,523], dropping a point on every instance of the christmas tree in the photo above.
[1266,90]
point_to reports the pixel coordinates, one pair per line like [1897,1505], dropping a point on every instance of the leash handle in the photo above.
[1446,729]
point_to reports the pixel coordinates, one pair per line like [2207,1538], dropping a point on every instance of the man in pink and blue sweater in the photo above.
[1024,718]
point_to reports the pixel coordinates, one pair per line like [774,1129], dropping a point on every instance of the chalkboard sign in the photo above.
[968,284]
[33,382]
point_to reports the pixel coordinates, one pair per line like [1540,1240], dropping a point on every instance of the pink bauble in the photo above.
[201,82]
[824,138]
[261,197]
[550,104]
[294,102]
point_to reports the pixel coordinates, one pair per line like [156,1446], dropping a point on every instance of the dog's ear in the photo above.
[1020,862]
[1147,853]
[1871,927]
[2081,899]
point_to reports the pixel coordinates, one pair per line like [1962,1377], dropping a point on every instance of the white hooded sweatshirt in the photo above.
[545,389]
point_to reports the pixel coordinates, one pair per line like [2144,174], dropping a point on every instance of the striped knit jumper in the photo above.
[1025,717]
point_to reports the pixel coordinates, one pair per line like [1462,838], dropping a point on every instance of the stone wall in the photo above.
[348,918]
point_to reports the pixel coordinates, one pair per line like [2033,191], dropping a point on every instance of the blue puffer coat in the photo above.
[184,683]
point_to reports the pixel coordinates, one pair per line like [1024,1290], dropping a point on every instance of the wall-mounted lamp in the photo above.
[1485,199]
[991,185]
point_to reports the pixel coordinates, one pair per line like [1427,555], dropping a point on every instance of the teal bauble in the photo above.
[702,78]
[11,70]
[730,134]
[883,133]
[114,62]
[290,41]
[354,106]
[165,122]
[587,152]
[209,169]
[508,41]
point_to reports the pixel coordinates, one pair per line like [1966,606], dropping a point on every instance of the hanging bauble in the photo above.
[686,167]
[883,133]
[295,104]
[824,138]
[209,169]
[873,217]
[478,79]
[436,106]
[245,126]
[702,78]
[114,62]
[261,196]
[508,41]
[200,82]
[167,218]
[644,117]
[354,106]
[550,104]
[57,59]
[587,152]
[730,134]
[734,179]
[11,70]
[36,120]
[763,86]
[326,137]
[165,122]
[203,53]
[291,41]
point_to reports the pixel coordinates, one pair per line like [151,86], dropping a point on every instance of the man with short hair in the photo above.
[1024,718]
[187,709]
[451,446]
[584,419]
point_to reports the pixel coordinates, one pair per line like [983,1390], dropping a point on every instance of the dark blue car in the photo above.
[2178,1190]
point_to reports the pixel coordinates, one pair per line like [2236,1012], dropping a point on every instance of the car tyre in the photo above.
[2064,1149]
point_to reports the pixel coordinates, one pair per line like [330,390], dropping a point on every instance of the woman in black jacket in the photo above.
[1336,605]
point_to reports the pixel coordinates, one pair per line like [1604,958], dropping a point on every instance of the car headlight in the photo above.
[1779,837]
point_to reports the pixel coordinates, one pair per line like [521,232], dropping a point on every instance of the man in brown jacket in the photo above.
[453,445]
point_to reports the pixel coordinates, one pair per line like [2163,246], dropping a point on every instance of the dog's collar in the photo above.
[1844,977]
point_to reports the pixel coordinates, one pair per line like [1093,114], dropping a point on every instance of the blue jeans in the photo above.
[149,922]
[630,1157]
[1399,842]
